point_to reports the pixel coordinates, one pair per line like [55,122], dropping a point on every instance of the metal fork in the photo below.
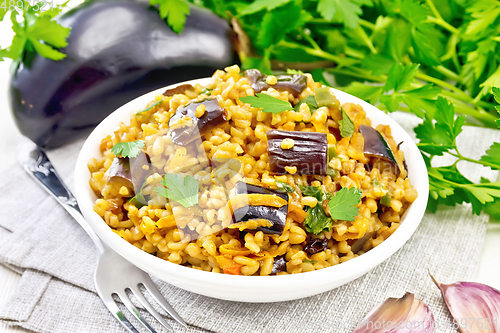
[114,274]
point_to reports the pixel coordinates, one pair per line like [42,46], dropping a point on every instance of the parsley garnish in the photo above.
[128,149]
[346,125]
[174,11]
[184,190]
[267,103]
[343,205]
[310,101]
[316,220]
[284,187]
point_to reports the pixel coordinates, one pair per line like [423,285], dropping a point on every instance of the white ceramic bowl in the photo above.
[252,288]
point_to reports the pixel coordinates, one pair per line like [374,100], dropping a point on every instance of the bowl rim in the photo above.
[348,270]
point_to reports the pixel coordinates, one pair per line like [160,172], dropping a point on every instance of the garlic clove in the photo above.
[474,306]
[398,315]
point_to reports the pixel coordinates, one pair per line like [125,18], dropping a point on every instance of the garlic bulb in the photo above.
[397,315]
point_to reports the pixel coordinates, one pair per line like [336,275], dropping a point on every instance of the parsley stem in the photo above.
[364,76]
[463,158]
[366,24]
[444,84]
[439,19]
[457,108]
[448,73]
[363,23]
[318,53]
[310,39]
[442,23]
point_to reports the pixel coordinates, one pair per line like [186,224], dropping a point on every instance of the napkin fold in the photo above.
[56,293]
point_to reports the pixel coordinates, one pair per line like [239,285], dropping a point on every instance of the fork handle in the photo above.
[36,163]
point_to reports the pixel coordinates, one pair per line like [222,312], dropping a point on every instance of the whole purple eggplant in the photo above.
[117,50]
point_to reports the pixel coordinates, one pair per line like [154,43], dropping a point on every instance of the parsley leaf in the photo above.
[400,77]
[183,190]
[276,23]
[342,206]
[496,94]
[259,5]
[128,149]
[310,101]
[346,125]
[174,11]
[3,11]
[316,220]
[492,156]
[448,186]
[284,187]
[267,103]
[39,33]
[294,71]
[439,136]
[344,11]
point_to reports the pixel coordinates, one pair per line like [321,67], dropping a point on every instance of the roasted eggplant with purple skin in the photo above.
[279,265]
[316,246]
[293,83]
[376,146]
[277,216]
[309,152]
[117,50]
[129,171]
[213,116]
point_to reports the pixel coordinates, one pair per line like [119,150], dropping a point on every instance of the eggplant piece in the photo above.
[277,216]
[279,265]
[376,146]
[293,83]
[129,171]
[309,152]
[316,245]
[213,117]
[117,50]
[178,90]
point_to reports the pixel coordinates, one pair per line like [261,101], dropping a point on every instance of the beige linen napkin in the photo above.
[56,259]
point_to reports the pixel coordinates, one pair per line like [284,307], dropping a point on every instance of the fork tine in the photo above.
[128,304]
[109,302]
[158,297]
[138,294]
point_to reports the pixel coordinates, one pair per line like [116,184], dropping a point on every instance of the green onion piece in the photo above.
[331,172]
[386,200]
[206,91]
[332,152]
[324,97]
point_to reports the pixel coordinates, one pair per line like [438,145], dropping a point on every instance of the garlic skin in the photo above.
[474,306]
[407,314]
